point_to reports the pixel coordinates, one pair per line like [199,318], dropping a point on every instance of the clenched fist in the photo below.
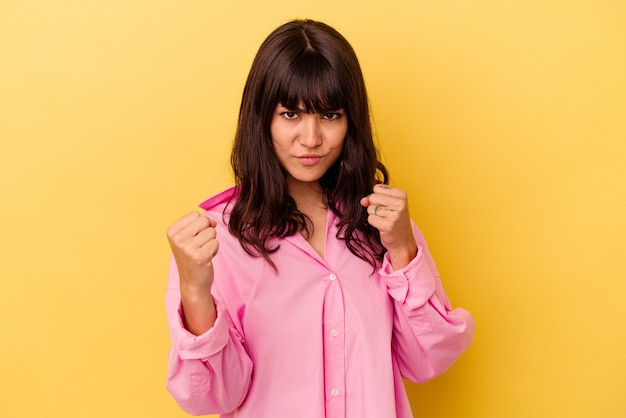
[388,211]
[193,241]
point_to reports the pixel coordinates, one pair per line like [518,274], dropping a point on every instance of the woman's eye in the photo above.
[290,115]
[332,115]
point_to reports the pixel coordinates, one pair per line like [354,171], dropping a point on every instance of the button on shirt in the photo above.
[318,337]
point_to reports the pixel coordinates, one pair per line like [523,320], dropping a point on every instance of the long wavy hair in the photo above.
[303,62]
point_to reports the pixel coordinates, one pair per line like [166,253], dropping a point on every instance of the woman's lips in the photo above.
[309,159]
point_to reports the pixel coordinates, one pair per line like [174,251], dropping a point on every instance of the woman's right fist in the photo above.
[194,244]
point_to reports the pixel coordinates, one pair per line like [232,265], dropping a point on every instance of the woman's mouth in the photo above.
[309,159]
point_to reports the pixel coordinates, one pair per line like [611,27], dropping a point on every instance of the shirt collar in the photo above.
[220,198]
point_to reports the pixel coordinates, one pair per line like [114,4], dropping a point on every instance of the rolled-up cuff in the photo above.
[412,285]
[201,346]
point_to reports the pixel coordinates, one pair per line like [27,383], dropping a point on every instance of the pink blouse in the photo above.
[321,337]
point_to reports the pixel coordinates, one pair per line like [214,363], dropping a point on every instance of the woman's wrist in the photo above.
[400,258]
[199,312]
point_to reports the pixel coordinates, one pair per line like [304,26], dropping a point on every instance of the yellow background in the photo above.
[504,120]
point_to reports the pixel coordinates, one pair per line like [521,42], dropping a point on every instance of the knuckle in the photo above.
[187,249]
[402,205]
[177,241]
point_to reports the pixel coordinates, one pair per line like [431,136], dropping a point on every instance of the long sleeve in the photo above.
[209,373]
[428,335]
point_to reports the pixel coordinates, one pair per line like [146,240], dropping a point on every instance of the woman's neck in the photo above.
[311,201]
[308,196]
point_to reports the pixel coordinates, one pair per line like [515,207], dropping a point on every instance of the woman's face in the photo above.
[307,144]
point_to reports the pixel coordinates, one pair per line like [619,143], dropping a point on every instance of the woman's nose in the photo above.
[311,135]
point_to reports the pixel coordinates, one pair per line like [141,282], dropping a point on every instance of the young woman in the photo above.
[323,294]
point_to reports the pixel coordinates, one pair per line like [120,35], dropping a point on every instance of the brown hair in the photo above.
[310,63]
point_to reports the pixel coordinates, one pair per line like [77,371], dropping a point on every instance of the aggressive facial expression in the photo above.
[307,144]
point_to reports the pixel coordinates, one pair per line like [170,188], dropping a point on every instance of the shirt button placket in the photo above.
[334,348]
